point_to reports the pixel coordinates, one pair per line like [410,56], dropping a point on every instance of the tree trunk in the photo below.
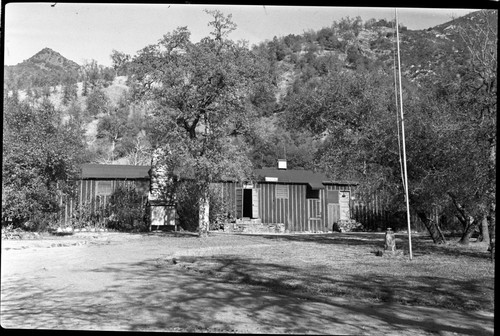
[492,222]
[204,209]
[112,152]
[462,221]
[485,235]
[433,228]
[469,230]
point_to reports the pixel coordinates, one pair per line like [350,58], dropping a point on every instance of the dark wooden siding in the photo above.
[297,212]
[291,211]
[86,193]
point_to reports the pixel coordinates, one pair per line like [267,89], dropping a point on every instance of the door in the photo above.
[333,207]
[255,203]
[344,197]
[314,211]
[247,203]
[333,214]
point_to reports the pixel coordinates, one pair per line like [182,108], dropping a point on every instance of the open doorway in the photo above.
[247,203]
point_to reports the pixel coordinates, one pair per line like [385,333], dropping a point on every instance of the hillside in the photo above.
[47,67]
[295,60]
[425,54]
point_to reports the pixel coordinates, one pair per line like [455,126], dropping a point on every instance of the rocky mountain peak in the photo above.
[51,58]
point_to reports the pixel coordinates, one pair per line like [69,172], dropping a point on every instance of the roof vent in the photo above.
[282,164]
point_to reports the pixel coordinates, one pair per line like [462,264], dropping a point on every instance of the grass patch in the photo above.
[344,265]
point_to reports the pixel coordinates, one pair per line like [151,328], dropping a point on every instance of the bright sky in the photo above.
[82,31]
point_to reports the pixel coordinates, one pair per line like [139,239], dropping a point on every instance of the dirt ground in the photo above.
[138,282]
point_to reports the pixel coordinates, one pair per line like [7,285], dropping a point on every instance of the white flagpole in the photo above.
[403,138]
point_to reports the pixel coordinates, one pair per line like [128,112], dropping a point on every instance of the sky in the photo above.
[81,32]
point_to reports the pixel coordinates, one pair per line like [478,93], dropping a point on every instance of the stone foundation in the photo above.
[244,227]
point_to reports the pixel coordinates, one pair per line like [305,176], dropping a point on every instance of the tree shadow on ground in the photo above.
[228,293]
[354,239]
[422,244]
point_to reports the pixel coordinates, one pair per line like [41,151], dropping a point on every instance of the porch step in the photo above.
[249,227]
[246,220]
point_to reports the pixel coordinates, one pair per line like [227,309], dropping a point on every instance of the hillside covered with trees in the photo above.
[324,100]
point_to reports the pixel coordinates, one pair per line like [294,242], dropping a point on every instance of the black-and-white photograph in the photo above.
[249,169]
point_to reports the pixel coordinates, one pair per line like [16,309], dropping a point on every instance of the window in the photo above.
[333,196]
[281,191]
[312,193]
[104,188]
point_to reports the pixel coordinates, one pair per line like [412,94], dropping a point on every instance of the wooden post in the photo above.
[403,140]
[390,240]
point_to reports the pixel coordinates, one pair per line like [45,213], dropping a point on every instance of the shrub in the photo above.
[92,214]
[97,103]
[127,210]
[349,225]
[219,209]
[187,206]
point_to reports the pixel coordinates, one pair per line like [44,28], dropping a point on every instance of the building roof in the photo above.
[315,180]
[107,171]
[301,176]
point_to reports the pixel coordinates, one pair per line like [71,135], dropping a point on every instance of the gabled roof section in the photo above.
[112,172]
[315,180]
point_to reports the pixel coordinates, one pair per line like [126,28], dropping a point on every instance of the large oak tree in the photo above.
[198,94]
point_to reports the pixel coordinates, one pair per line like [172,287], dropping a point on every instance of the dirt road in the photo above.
[112,281]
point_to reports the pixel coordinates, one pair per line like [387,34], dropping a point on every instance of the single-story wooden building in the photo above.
[97,183]
[301,200]
[297,200]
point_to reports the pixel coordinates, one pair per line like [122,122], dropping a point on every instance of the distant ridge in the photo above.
[46,68]
[50,58]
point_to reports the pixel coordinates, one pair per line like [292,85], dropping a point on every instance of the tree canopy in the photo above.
[198,93]
[40,156]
